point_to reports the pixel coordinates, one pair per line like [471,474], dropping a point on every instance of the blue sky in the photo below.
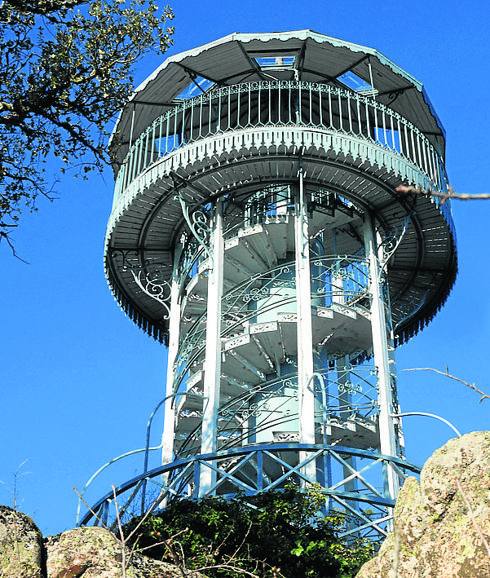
[78,379]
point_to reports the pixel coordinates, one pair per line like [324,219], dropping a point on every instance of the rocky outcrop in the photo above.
[79,553]
[442,530]
[442,524]
[20,545]
[97,553]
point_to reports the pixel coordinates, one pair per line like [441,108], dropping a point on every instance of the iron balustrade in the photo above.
[351,394]
[194,255]
[280,103]
[244,471]
[256,297]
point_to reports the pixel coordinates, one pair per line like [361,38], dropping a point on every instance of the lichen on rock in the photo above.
[93,552]
[442,524]
[79,553]
[20,545]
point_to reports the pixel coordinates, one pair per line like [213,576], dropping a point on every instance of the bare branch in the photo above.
[95,515]
[163,542]
[451,194]
[121,534]
[148,512]
[6,236]
[228,567]
[446,373]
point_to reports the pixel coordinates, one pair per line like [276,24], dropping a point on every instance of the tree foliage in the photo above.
[65,71]
[276,535]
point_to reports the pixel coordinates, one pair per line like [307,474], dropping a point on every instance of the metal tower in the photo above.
[255,230]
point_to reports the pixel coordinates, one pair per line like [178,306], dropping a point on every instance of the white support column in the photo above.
[342,376]
[168,436]
[212,364]
[306,389]
[388,442]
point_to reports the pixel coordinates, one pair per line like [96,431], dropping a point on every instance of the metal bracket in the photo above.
[198,224]
[392,241]
[158,291]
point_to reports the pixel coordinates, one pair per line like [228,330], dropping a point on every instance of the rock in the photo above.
[442,524]
[20,545]
[96,553]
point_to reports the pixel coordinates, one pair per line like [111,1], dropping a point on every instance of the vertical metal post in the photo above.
[399,439]
[343,376]
[345,401]
[388,442]
[306,389]
[338,295]
[168,435]
[342,373]
[212,364]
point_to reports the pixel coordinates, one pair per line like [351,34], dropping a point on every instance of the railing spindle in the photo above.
[351,130]
[400,139]
[341,126]
[175,144]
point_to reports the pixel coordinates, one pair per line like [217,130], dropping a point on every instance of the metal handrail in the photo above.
[274,448]
[236,301]
[431,415]
[280,103]
[364,409]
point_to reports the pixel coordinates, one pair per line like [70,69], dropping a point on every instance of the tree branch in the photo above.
[445,373]
[451,194]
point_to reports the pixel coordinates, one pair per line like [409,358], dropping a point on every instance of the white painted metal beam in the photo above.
[212,363]
[388,441]
[306,389]
[168,435]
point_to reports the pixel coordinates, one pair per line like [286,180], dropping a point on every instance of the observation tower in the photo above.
[256,232]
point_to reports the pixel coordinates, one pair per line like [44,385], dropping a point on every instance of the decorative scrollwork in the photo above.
[190,413]
[158,291]
[349,387]
[286,437]
[256,294]
[196,298]
[227,464]
[197,222]
[392,241]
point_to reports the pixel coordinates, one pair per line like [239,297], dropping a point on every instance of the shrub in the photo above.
[272,535]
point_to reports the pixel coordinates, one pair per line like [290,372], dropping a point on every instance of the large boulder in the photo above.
[20,545]
[96,553]
[442,524]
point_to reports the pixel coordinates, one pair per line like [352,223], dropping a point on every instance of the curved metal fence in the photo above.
[246,471]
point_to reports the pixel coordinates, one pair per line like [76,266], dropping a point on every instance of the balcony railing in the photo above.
[281,104]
